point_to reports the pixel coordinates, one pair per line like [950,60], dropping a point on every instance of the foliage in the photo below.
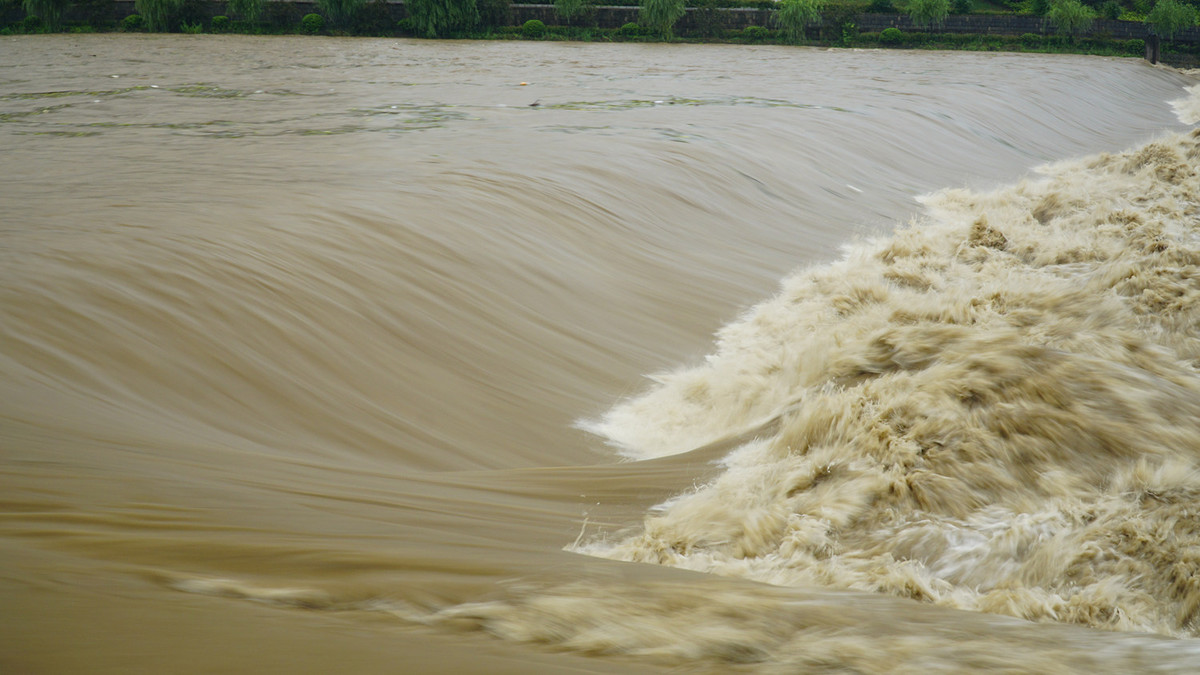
[881,7]
[661,15]
[961,6]
[49,11]
[341,13]
[494,13]
[794,15]
[928,13]
[133,22]
[191,28]
[843,20]
[1070,17]
[1039,7]
[248,10]
[1169,17]
[891,36]
[32,23]
[1136,46]
[533,29]
[433,18]
[755,33]
[1031,40]
[312,23]
[566,9]
[159,14]
[1111,10]
[630,29]
[220,23]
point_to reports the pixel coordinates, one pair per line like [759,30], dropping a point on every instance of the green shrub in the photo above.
[881,7]
[433,18]
[160,14]
[191,28]
[405,26]
[629,30]
[661,15]
[220,23]
[755,33]
[1070,17]
[928,13]
[843,19]
[533,29]
[312,23]
[1031,40]
[891,36]
[1039,7]
[32,23]
[793,16]
[133,22]
[1135,47]
[566,9]
[1169,17]
[49,11]
[960,6]
[1111,10]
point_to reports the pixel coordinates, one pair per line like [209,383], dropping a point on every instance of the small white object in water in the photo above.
[114,75]
[853,188]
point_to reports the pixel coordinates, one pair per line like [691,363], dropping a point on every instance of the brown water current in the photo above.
[328,355]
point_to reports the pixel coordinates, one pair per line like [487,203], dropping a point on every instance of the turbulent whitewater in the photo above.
[997,408]
[296,334]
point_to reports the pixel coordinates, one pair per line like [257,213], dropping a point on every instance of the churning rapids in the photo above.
[326,355]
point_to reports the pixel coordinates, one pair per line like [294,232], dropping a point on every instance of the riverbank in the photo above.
[841,26]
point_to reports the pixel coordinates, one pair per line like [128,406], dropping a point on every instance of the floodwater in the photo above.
[384,356]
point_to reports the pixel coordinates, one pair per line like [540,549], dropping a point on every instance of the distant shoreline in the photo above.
[612,23]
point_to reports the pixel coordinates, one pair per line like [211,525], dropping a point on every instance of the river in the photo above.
[376,356]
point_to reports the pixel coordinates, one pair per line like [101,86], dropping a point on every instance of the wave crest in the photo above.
[996,408]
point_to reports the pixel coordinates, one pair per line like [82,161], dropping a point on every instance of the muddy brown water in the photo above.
[331,355]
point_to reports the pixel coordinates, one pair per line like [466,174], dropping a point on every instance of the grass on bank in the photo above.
[802,22]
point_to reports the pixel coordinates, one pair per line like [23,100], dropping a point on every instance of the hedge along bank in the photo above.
[287,12]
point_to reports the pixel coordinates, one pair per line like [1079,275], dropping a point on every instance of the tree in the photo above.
[248,10]
[928,13]
[49,11]
[341,13]
[661,15]
[566,9]
[794,15]
[432,18]
[1070,16]
[1167,18]
[159,14]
